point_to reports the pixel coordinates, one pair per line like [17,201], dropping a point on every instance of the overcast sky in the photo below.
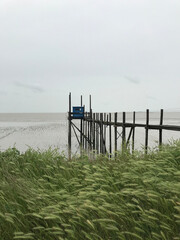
[125,53]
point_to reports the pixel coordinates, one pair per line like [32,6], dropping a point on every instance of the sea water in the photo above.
[50,130]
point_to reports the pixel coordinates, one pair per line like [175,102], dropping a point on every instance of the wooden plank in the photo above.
[150,126]
[165,127]
[79,131]
[146,130]
[75,133]
[131,130]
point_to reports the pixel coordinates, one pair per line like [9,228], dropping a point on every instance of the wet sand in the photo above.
[39,131]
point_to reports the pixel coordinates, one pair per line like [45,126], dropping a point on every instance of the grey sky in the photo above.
[125,53]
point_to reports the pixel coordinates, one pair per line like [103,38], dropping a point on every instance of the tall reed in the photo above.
[44,196]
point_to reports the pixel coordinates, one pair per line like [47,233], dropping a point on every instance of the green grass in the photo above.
[44,196]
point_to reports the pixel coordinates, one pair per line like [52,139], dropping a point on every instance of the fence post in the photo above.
[104,134]
[110,139]
[101,133]
[81,130]
[69,129]
[160,130]
[124,132]
[115,133]
[146,131]
[97,133]
[93,131]
[133,133]
[86,133]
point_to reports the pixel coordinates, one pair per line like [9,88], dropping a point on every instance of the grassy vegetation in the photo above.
[43,196]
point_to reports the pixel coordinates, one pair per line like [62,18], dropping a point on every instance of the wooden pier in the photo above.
[91,132]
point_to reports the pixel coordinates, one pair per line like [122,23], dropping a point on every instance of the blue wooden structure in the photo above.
[78,112]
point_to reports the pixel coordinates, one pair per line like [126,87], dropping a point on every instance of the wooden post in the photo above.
[133,133]
[83,130]
[124,132]
[90,123]
[97,133]
[93,134]
[115,133]
[90,103]
[101,133]
[146,131]
[86,133]
[69,128]
[110,139]
[104,135]
[160,130]
[81,127]
[91,130]
[107,123]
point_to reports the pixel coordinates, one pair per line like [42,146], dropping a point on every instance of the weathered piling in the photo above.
[101,132]
[69,128]
[104,134]
[146,130]
[124,132]
[86,132]
[160,130]
[110,136]
[81,127]
[97,133]
[94,132]
[133,133]
[115,133]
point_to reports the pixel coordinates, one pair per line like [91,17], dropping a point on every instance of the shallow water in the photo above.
[44,130]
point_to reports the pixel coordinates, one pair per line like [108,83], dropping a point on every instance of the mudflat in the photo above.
[44,130]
